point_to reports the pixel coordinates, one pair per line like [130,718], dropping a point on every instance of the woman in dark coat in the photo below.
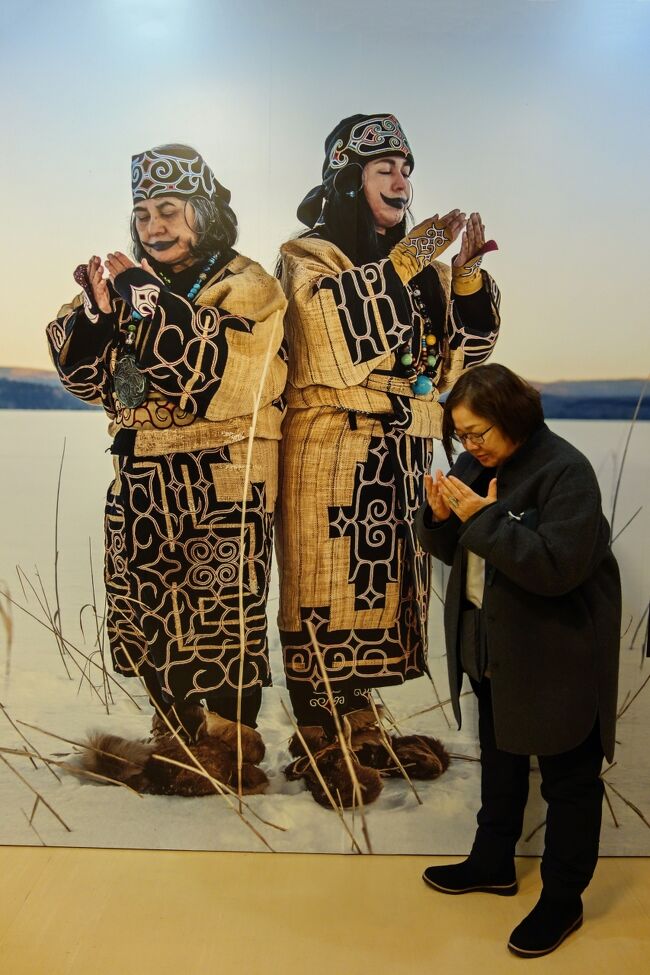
[532,616]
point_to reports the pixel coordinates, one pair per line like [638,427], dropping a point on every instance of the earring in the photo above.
[348,181]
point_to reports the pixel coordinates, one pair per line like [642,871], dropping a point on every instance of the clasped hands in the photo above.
[448,494]
[429,239]
[99,276]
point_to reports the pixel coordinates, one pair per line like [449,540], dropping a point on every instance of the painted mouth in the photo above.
[161,245]
[396,202]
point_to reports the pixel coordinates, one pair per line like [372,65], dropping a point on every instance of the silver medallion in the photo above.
[130,383]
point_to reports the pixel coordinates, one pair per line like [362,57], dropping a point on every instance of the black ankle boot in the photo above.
[545,928]
[466,877]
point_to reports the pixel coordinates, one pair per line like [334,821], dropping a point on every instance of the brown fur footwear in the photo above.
[331,763]
[186,722]
[142,766]
[422,757]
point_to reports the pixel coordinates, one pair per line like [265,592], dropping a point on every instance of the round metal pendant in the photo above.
[131,385]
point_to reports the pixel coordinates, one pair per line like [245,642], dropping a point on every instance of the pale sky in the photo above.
[534,112]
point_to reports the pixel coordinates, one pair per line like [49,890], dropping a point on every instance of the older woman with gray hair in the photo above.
[532,617]
[168,345]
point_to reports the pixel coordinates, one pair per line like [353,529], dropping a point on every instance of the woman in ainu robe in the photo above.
[377,328]
[174,349]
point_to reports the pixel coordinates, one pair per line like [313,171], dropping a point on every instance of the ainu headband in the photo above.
[373,136]
[354,141]
[174,170]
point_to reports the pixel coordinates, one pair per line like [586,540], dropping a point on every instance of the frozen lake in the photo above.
[37,690]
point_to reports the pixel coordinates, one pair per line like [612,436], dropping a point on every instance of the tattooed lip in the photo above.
[161,245]
[397,202]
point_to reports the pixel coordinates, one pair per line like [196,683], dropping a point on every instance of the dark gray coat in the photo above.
[552,599]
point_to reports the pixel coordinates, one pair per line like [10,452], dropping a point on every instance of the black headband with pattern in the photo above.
[368,138]
[355,141]
[174,170]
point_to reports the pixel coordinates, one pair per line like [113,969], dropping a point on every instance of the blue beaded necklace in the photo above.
[421,372]
[191,294]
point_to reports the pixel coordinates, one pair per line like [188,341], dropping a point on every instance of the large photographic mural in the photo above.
[123,615]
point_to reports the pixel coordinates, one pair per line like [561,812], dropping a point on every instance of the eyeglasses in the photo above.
[476,439]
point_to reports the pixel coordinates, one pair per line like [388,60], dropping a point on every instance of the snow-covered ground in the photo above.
[36,690]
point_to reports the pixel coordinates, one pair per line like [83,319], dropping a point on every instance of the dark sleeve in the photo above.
[192,350]
[438,538]
[80,341]
[474,324]
[571,537]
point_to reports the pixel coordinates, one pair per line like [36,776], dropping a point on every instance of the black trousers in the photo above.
[224,704]
[313,708]
[573,792]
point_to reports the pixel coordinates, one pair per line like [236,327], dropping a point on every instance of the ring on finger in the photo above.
[453,501]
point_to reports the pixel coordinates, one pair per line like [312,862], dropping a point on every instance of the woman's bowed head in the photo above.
[491,412]
[181,215]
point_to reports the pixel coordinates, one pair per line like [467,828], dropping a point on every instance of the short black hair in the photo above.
[500,396]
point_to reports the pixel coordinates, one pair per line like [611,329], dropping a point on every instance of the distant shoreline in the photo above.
[579,399]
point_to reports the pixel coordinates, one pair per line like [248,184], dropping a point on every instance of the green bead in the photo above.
[431,360]
[407,359]
[132,327]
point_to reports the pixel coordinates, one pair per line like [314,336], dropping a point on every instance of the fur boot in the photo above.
[331,763]
[421,756]
[214,745]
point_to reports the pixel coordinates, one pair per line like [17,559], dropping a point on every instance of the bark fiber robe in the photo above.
[356,445]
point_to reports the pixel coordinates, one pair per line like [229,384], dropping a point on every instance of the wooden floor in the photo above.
[94,912]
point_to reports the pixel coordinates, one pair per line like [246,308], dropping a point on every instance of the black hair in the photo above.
[215,225]
[499,395]
[349,224]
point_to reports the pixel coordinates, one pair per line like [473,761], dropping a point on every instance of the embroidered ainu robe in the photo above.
[356,445]
[174,511]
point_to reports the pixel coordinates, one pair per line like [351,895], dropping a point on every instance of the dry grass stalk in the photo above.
[100,628]
[242,536]
[336,806]
[627,802]
[434,707]
[440,703]
[227,790]
[74,769]
[72,741]
[219,787]
[44,606]
[464,758]
[645,618]
[619,478]
[14,725]
[6,619]
[57,599]
[63,645]
[33,790]
[388,713]
[627,524]
[391,751]
[345,750]
[31,824]
[609,806]
[71,647]
[528,838]
[633,698]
